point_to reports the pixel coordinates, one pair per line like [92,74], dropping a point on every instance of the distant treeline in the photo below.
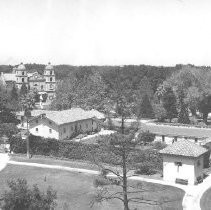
[62,71]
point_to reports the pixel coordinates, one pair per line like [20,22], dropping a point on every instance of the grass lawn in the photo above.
[77,190]
[205,201]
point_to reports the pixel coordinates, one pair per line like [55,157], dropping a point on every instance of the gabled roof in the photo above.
[184,148]
[62,117]
[97,114]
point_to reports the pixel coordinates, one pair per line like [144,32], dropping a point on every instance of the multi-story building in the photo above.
[45,83]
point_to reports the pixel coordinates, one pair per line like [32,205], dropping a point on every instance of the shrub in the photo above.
[159,145]
[146,137]
[80,151]
[202,124]
[193,120]
[21,197]
[145,168]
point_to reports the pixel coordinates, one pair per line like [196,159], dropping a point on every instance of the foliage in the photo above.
[145,109]
[14,93]
[146,168]
[20,196]
[8,129]
[160,112]
[159,145]
[183,116]
[169,103]
[23,90]
[145,137]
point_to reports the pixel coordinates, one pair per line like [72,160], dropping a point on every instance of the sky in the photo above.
[105,32]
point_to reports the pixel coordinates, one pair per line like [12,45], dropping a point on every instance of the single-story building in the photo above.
[170,133]
[183,162]
[61,124]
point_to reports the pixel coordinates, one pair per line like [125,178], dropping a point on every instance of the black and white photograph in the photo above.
[105,105]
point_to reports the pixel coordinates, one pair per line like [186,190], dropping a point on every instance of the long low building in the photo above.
[171,133]
[60,124]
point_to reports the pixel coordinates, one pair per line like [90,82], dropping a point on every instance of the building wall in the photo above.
[39,85]
[199,165]
[189,169]
[61,132]
[84,126]
[44,126]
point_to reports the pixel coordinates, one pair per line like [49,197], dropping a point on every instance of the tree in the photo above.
[170,103]
[14,93]
[21,197]
[113,183]
[183,116]
[145,109]
[23,90]
[160,112]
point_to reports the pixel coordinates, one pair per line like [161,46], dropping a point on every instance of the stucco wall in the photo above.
[186,171]
[43,126]
[67,130]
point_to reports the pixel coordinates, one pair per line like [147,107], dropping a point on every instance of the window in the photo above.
[71,128]
[51,86]
[64,130]
[86,125]
[22,79]
[50,122]
[51,79]
[41,87]
[178,164]
[36,129]
[36,121]
[23,73]
[50,72]
[50,130]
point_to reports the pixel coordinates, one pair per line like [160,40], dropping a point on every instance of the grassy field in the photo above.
[205,201]
[75,190]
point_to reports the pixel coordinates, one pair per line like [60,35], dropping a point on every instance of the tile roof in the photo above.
[184,148]
[170,130]
[64,116]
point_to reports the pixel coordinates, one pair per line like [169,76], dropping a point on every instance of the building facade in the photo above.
[60,124]
[183,162]
[44,84]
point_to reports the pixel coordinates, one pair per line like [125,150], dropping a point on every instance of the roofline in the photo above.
[35,117]
[167,154]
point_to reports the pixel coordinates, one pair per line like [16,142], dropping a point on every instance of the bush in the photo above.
[159,145]
[80,151]
[21,197]
[146,137]
[146,168]
[193,120]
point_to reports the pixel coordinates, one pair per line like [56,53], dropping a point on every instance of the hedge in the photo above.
[80,151]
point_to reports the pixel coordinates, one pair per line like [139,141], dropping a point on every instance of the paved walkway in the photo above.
[191,200]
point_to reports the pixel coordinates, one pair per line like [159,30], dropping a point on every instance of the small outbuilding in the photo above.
[183,162]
